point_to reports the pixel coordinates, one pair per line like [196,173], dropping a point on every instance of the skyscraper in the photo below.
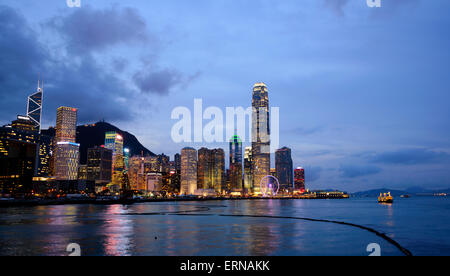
[260,135]
[210,169]
[236,164]
[67,160]
[67,153]
[284,168]
[188,171]
[34,107]
[66,124]
[218,170]
[204,169]
[248,170]
[299,180]
[177,160]
[18,152]
[99,165]
[114,142]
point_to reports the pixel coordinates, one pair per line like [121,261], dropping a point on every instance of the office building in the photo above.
[67,151]
[284,169]
[99,165]
[34,107]
[248,170]
[188,171]
[299,180]
[260,135]
[236,164]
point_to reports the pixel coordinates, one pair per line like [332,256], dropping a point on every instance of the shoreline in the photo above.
[52,202]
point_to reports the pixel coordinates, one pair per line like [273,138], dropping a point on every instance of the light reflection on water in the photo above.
[120,230]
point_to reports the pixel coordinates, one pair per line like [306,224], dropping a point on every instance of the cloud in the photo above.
[354,171]
[159,82]
[337,6]
[87,29]
[410,157]
[83,84]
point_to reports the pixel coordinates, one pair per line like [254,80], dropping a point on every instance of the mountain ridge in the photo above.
[91,135]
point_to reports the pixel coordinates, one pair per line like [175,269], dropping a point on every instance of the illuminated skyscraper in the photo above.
[299,180]
[114,142]
[236,164]
[188,171]
[204,170]
[248,170]
[66,124]
[218,170]
[284,168]
[34,107]
[67,160]
[136,174]
[44,155]
[67,152]
[260,135]
[210,169]
[18,152]
[126,159]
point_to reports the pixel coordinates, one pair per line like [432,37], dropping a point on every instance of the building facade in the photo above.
[188,171]
[34,107]
[284,169]
[260,135]
[114,142]
[99,165]
[248,185]
[18,156]
[67,151]
[299,180]
[236,164]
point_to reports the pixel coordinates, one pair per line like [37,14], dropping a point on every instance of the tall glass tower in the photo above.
[236,164]
[114,142]
[34,106]
[260,135]
[284,168]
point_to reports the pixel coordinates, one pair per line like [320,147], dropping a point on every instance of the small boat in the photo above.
[405,196]
[385,198]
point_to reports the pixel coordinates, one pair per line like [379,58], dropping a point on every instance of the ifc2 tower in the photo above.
[260,135]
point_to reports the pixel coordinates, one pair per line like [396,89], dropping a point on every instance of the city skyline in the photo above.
[364,135]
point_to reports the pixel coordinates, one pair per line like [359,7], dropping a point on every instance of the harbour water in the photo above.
[419,224]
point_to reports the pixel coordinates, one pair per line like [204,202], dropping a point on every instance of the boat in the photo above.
[385,198]
[405,196]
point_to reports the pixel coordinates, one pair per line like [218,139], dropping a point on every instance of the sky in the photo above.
[363,92]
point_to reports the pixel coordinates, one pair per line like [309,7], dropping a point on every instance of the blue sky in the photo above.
[363,93]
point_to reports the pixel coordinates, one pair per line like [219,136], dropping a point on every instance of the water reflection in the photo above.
[117,230]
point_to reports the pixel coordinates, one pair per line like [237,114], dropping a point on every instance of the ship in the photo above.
[385,198]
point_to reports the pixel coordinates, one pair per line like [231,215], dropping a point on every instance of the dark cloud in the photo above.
[337,6]
[159,82]
[20,59]
[83,84]
[89,29]
[354,171]
[410,157]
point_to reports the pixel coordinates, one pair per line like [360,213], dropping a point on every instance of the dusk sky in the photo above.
[363,92]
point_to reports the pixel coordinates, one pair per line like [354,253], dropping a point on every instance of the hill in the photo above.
[89,136]
[396,193]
